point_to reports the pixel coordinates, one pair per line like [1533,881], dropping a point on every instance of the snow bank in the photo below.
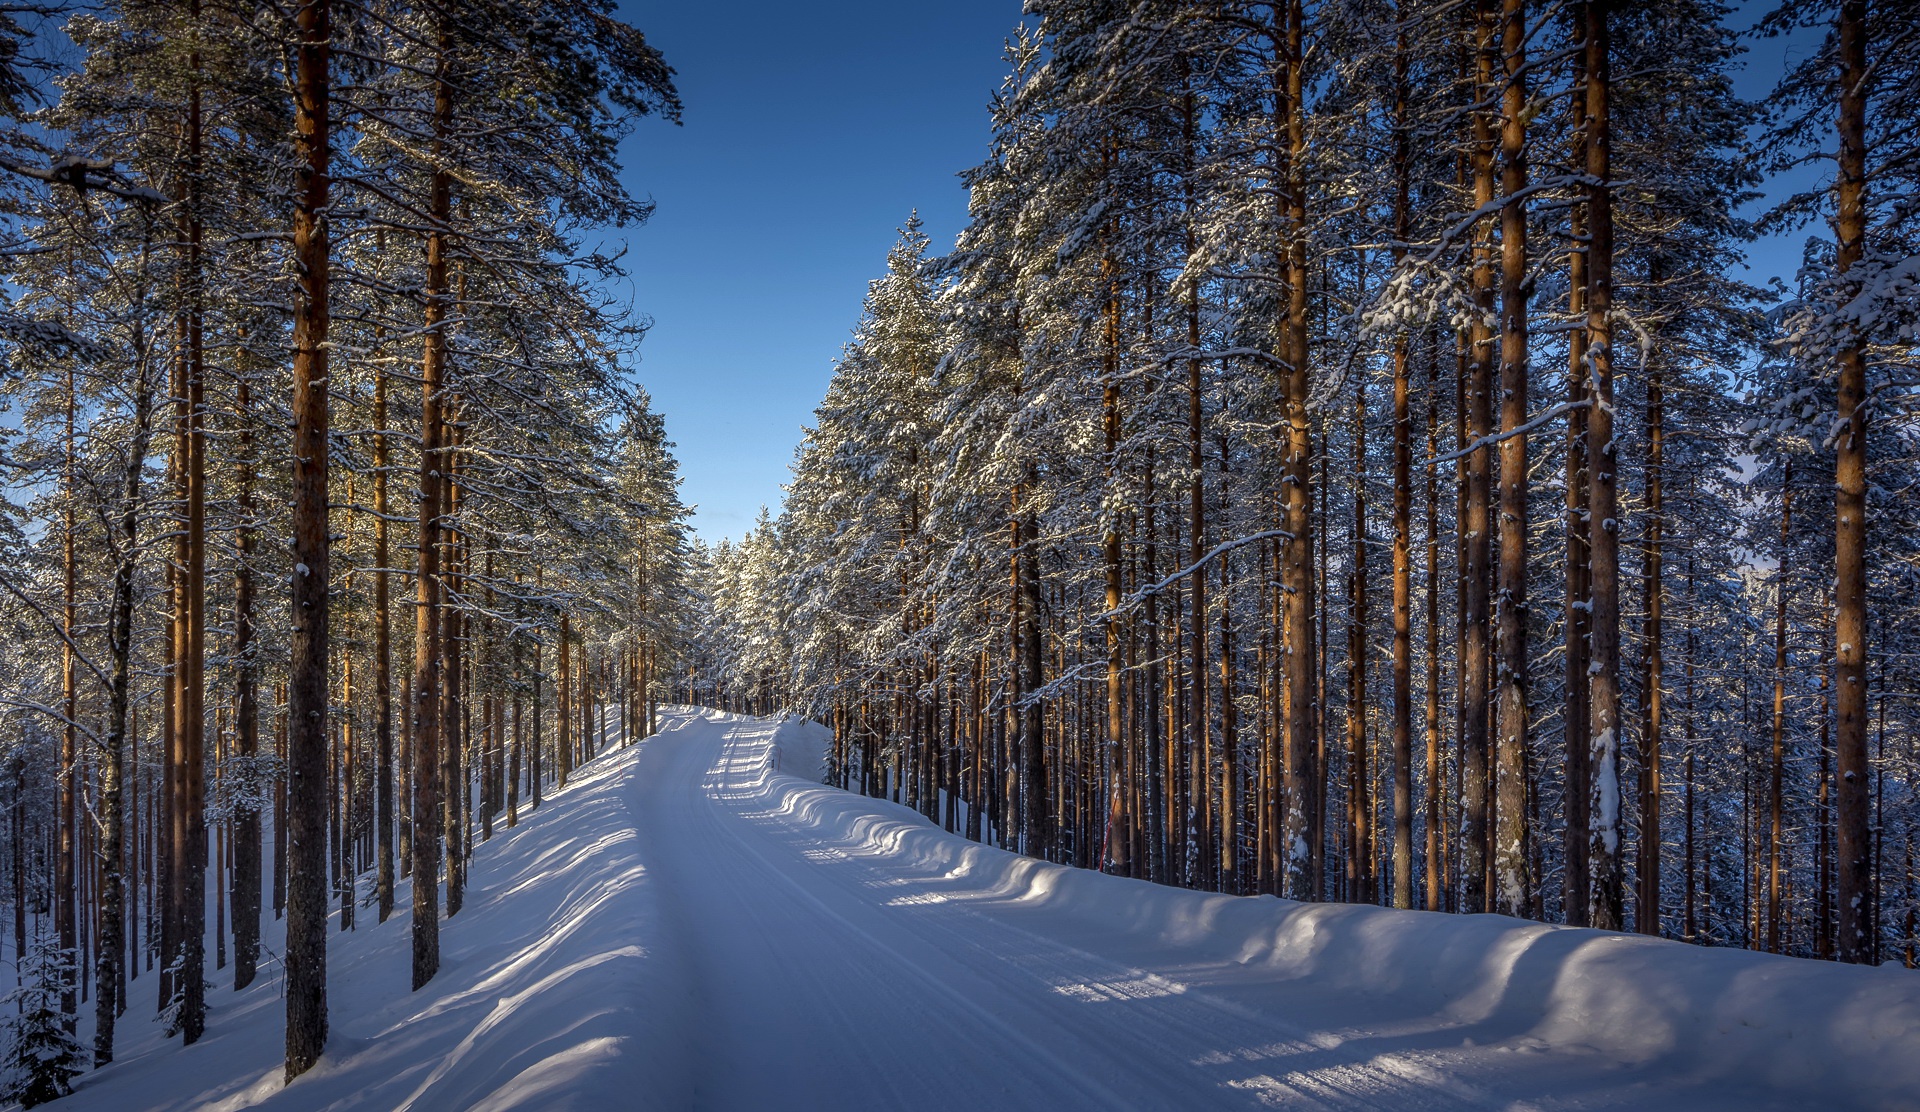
[545,999]
[1817,1034]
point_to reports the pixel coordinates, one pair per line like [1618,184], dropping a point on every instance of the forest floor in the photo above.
[696,923]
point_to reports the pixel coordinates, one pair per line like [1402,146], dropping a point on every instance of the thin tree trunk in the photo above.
[383,786]
[246,698]
[110,969]
[1402,510]
[1647,917]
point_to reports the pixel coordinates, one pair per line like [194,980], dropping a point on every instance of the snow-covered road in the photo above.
[697,923]
[840,953]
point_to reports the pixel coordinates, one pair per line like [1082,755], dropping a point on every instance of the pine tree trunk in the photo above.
[1777,766]
[1360,800]
[1436,842]
[1513,858]
[111,967]
[306,953]
[1853,843]
[383,786]
[453,680]
[1576,617]
[1296,562]
[429,676]
[1606,898]
[1647,916]
[1402,741]
[65,905]
[246,700]
[1475,677]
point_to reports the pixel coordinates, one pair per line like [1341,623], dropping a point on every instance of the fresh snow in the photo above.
[696,923]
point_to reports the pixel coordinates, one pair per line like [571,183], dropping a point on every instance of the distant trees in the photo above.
[1084,559]
[220,193]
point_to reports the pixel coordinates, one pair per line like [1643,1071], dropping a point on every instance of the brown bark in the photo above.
[1855,893]
[1606,896]
[306,951]
[246,697]
[429,676]
[383,784]
[1512,856]
[1296,560]
[1476,661]
[1647,917]
[1575,614]
[1402,742]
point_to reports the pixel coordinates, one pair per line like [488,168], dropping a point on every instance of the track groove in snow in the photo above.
[684,928]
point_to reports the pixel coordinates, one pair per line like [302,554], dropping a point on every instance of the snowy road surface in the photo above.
[686,928]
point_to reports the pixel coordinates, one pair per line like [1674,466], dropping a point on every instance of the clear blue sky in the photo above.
[812,131]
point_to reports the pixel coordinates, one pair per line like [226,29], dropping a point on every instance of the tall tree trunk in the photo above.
[65,904]
[429,677]
[1575,614]
[246,696]
[1777,766]
[306,955]
[190,673]
[1402,508]
[1360,798]
[1853,843]
[383,786]
[453,678]
[1436,842]
[1513,858]
[1296,561]
[1647,917]
[1475,665]
[1606,898]
[110,968]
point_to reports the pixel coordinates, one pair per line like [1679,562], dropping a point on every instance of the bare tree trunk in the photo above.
[190,703]
[246,698]
[1296,560]
[65,905]
[1513,858]
[1402,510]
[1575,614]
[306,956]
[1777,767]
[1360,800]
[1436,843]
[382,656]
[453,679]
[1606,898]
[1477,648]
[1856,896]
[110,968]
[1647,917]
[429,675]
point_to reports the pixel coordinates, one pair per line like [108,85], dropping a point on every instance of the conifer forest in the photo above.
[1345,456]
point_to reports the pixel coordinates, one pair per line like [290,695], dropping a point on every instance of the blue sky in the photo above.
[812,131]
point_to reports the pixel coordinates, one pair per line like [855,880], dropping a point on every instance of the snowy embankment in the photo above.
[544,993]
[1682,1025]
[697,923]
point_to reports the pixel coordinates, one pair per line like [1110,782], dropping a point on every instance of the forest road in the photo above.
[825,973]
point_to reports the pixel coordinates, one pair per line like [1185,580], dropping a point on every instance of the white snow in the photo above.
[695,922]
